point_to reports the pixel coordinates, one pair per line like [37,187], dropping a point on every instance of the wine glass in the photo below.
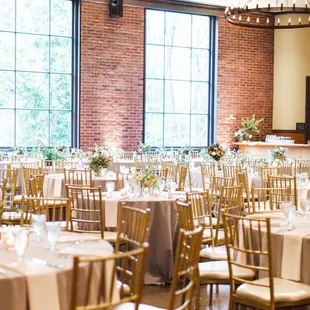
[52,233]
[21,239]
[38,221]
[110,188]
[305,206]
[172,188]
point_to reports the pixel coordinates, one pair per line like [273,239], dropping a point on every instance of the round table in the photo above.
[45,287]
[162,234]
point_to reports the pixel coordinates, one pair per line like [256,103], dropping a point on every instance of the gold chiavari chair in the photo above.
[286,168]
[36,185]
[184,273]
[87,212]
[153,164]
[181,177]
[302,165]
[55,209]
[285,182]
[216,272]
[53,166]
[33,165]
[207,173]
[267,292]
[121,179]
[161,173]
[268,199]
[99,278]
[3,183]
[217,183]
[242,178]
[77,177]
[132,227]
[265,172]
[11,176]
[230,171]
[172,170]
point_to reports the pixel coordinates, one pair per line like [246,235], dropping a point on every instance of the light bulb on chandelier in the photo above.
[279,14]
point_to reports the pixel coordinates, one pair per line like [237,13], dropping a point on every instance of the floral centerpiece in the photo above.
[143,147]
[250,127]
[240,134]
[18,151]
[216,151]
[147,180]
[278,153]
[100,160]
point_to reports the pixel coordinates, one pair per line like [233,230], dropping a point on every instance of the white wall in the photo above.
[291,66]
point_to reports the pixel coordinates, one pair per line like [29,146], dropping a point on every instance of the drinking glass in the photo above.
[305,206]
[110,188]
[287,208]
[38,221]
[172,188]
[52,233]
[21,239]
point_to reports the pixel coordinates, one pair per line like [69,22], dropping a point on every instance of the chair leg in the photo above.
[217,288]
[197,294]
[211,295]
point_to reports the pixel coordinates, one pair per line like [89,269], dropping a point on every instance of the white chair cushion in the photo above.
[215,254]
[18,198]
[131,306]
[219,271]
[207,234]
[284,291]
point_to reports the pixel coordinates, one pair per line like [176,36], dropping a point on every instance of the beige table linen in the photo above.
[13,286]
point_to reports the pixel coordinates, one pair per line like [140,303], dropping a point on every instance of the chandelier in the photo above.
[276,14]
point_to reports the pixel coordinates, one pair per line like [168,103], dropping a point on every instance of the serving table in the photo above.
[27,285]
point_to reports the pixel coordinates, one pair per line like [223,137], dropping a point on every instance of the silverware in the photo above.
[42,262]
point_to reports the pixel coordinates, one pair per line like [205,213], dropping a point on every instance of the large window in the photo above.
[178,79]
[36,72]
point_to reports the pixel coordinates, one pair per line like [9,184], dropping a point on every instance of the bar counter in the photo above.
[297,151]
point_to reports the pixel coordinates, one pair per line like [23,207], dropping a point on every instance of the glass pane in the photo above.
[154,92]
[61,55]
[32,52]
[155,27]
[177,97]
[7,15]
[199,130]
[60,91]
[32,90]
[154,129]
[178,63]
[7,92]
[200,97]
[200,63]
[32,16]
[154,62]
[201,31]
[61,17]
[178,29]
[31,125]
[7,46]
[176,130]
[60,128]
[6,128]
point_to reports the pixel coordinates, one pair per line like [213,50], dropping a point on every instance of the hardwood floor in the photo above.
[158,296]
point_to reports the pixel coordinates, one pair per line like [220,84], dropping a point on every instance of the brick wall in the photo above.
[245,78]
[112,53]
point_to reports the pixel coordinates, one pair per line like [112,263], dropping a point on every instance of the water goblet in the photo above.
[172,188]
[52,233]
[21,239]
[287,208]
[38,221]
[110,188]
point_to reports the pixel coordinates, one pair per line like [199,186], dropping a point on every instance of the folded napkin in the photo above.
[291,255]
[77,237]
[37,276]
[98,249]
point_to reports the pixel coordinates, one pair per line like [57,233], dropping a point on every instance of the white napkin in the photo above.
[77,237]
[57,187]
[291,255]
[111,211]
[37,276]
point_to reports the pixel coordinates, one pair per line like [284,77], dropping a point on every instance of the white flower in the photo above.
[213,153]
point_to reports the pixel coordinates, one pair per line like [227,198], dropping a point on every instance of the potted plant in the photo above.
[100,160]
[250,125]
